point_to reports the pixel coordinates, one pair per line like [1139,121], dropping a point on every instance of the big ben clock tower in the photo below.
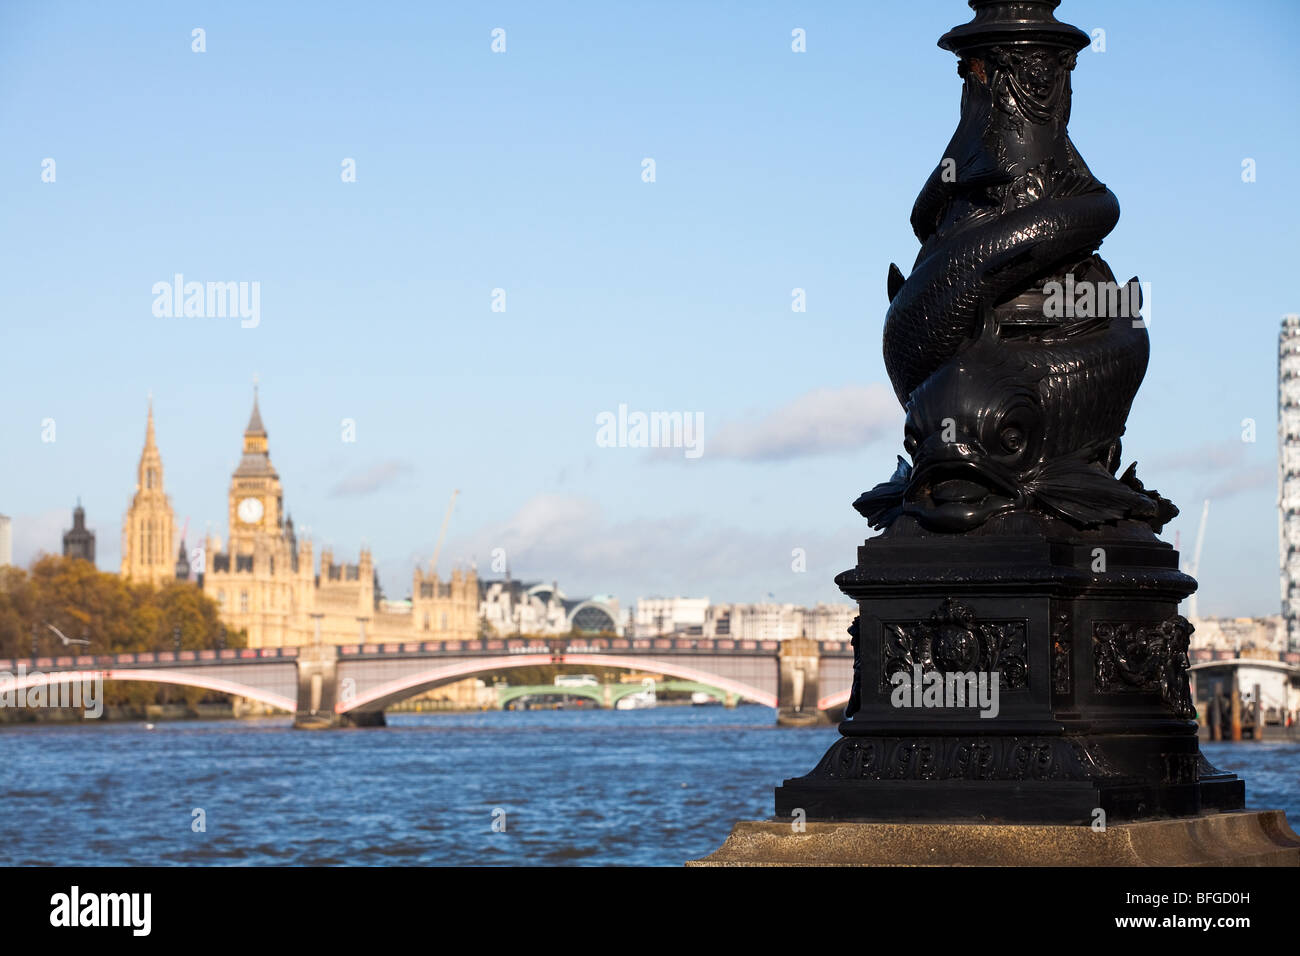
[265,583]
[256,502]
[258,582]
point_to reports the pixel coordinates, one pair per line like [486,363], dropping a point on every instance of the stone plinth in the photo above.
[1237,838]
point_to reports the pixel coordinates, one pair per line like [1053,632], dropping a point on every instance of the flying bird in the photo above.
[63,637]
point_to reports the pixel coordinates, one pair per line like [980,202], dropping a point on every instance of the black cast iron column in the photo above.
[1017,565]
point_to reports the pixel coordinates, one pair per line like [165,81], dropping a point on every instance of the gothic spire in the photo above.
[149,471]
[149,440]
[255,426]
[255,460]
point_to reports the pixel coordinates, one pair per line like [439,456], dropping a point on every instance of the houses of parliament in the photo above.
[266,582]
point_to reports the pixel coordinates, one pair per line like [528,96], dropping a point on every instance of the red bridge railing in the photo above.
[485,646]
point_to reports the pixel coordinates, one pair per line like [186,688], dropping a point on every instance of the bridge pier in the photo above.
[319,691]
[799,684]
[317,688]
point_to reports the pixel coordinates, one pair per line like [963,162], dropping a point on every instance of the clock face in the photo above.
[250,510]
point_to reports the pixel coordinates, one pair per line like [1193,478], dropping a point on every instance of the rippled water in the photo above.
[1271,771]
[623,787]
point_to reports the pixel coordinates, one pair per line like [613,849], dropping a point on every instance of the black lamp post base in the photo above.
[1075,661]
[1005,801]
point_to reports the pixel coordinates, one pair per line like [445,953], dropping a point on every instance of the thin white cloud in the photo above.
[573,541]
[40,533]
[1206,457]
[370,480]
[1226,466]
[1244,479]
[821,422]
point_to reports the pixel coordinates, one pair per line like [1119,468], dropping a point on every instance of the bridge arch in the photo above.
[616,692]
[178,677]
[390,692]
[838,699]
[591,693]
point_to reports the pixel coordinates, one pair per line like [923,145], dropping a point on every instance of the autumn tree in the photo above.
[114,615]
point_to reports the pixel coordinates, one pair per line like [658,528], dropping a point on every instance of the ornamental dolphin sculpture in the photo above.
[1023,424]
[1015,400]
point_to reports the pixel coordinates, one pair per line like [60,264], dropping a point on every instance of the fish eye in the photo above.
[1013,439]
[910,444]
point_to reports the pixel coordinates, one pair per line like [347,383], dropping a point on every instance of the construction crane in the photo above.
[1195,566]
[437,548]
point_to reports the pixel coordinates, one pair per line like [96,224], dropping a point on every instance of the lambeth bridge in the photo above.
[326,686]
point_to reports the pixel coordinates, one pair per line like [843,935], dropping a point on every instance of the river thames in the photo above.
[649,787]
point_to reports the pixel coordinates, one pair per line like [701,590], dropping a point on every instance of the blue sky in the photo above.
[522,171]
